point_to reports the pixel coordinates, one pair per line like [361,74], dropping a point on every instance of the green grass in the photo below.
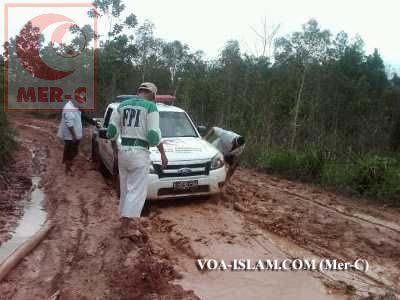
[367,175]
[305,166]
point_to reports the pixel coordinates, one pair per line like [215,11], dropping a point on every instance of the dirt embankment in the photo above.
[258,217]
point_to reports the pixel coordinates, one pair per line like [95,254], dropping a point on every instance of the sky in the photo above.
[207,25]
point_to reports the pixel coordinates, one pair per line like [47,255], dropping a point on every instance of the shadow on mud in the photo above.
[154,205]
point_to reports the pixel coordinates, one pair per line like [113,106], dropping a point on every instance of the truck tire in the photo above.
[96,158]
[116,179]
[116,185]
[95,150]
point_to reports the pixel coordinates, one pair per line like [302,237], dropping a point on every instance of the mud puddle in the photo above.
[33,218]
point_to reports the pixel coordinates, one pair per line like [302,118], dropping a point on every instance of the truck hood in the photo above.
[184,149]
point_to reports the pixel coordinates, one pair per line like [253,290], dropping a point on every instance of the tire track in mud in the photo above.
[46,267]
[395,227]
[211,230]
[326,232]
[350,282]
[37,159]
[83,258]
[379,223]
[336,283]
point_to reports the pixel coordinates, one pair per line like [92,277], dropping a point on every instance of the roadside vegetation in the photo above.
[7,141]
[369,175]
[312,105]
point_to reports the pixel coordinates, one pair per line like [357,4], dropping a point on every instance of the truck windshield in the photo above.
[176,124]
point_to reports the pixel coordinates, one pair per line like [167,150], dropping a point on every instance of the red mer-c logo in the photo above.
[28,45]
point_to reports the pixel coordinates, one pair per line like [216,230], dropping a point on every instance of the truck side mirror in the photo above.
[202,130]
[103,133]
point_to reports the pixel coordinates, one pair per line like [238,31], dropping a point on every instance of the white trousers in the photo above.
[133,167]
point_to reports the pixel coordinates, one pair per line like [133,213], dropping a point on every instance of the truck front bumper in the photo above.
[163,188]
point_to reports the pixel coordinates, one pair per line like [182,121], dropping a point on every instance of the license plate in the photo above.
[185,185]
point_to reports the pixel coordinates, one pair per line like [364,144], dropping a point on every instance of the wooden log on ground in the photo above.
[14,258]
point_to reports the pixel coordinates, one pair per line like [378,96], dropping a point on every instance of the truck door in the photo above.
[105,148]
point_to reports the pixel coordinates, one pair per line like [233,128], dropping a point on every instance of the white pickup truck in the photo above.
[195,167]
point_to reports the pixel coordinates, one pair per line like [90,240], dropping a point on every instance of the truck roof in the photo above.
[159,98]
[165,107]
[160,106]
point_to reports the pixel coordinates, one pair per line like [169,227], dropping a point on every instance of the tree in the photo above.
[147,45]
[174,55]
[303,49]
[117,48]
[376,74]
[266,37]
[230,62]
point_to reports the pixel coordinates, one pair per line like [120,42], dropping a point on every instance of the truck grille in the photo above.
[183,170]
[171,191]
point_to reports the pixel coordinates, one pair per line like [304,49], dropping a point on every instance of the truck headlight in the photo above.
[217,161]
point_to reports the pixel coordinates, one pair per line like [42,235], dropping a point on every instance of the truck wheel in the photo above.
[95,150]
[102,168]
[99,165]
[116,179]
[116,184]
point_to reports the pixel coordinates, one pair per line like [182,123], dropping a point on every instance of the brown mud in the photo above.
[258,217]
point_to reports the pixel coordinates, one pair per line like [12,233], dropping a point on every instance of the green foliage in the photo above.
[375,176]
[369,172]
[363,175]
[8,143]
[318,91]
[305,166]
[367,175]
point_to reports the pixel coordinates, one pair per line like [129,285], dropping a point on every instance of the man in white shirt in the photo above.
[136,120]
[230,144]
[70,131]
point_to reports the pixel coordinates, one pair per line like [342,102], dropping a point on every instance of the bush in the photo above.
[371,176]
[364,175]
[304,166]
[336,174]
[376,176]
[7,141]
[251,154]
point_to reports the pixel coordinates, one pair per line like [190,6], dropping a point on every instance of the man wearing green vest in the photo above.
[137,122]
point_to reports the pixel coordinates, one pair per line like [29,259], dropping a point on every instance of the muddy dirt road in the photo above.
[258,217]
